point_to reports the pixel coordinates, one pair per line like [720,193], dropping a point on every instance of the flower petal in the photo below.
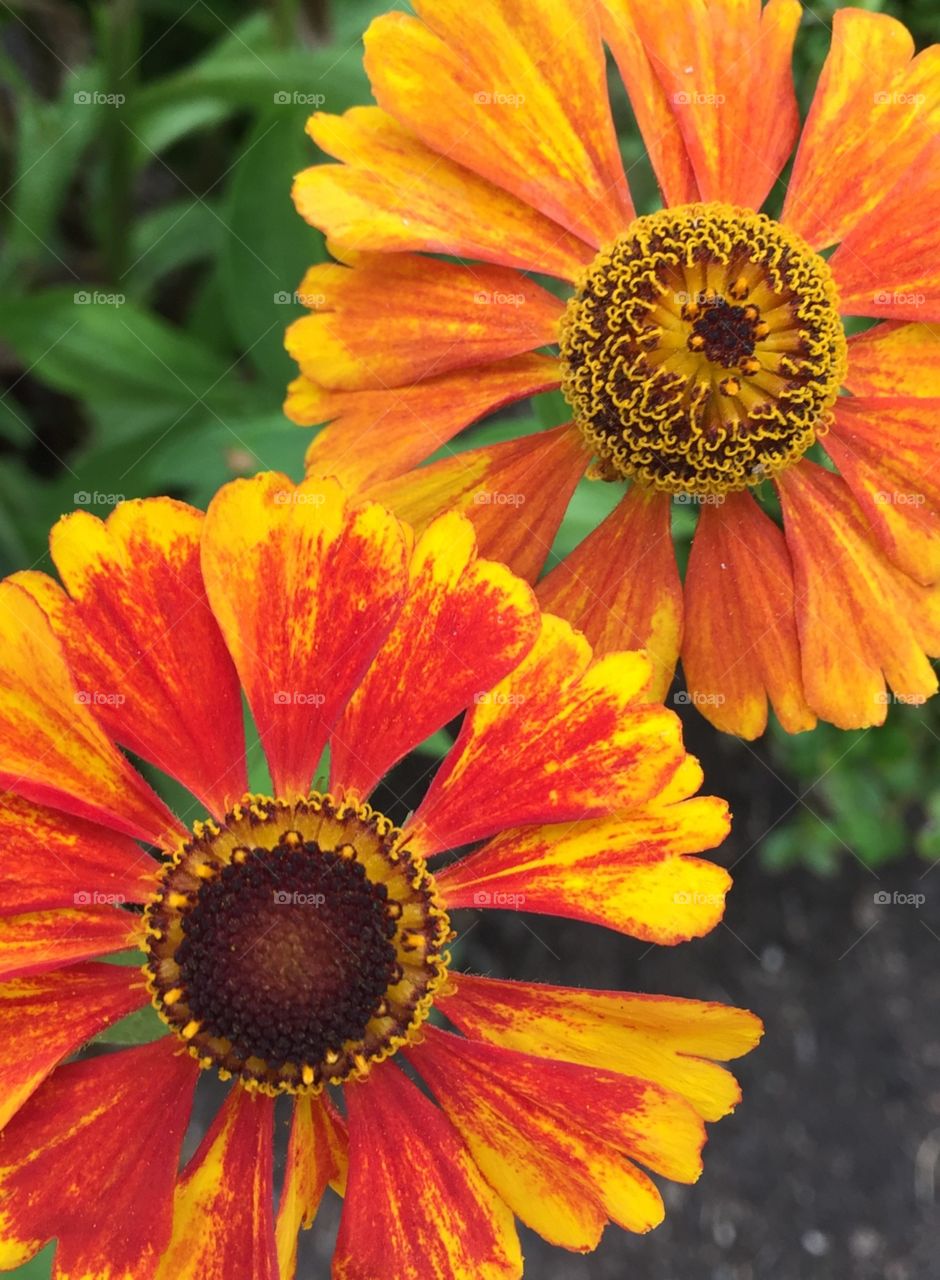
[563,737]
[376,434]
[50,859]
[515,493]
[741,644]
[416,1205]
[143,646]
[895,359]
[465,624]
[52,749]
[677,1043]
[887,264]
[517,93]
[627,873]
[316,1156]
[49,1016]
[725,69]
[557,1140]
[868,121]
[306,586]
[69,1170]
[393,193]
[223,1212]
[888,452]
[861,621]
[621,587]
[41,940]
[394,319]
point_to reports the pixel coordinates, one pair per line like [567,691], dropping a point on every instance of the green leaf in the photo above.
[140,1027]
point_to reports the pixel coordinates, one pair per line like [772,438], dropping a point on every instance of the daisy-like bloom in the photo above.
[296,943]
[701,347]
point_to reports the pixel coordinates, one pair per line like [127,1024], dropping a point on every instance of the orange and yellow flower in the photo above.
[295,943]
[701,348]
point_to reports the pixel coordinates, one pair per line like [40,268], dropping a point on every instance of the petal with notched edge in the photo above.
[394,319]
[306,585]
[563,737]
[465,624]
[677,1043]
[621,587]
[416,1204]
[376,434]
[49,1016]
[316,1157]
[392,193]
[223,1211]
[69,1170]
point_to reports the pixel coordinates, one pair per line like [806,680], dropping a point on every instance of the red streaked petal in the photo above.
[888,452]
[861,621]
[143,646]
[887,264]
[557,1140]
[69,1171]
[677,1043]
[394,193]
[465,624]
[45,1018]
[316,1156]
[416,1204]
[52,748]
[223,1211]
[377,434]
[725,70]
[515,493]
[621,587]
[42,940]
[628,873]
[50,859]
[394,319]
[563,737]
[868,121]
[306,586]
[741,644]
[517,93]
[895,359]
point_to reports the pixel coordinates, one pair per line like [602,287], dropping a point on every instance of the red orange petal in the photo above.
[517,93]
[741,646]
[316,1156]
[392,193]
[888,452]
[68,1169]
[377,434]
[861,621]
[868,121]
[563,737]
[895,359]
[306,586]
[49,1016]
[50,859]
[416,1204]
[515,493]
[465,623]
[677,1043]
[223,1211]
[557,1140]
[394,319]
[52,748]
[41,940]
[621,587]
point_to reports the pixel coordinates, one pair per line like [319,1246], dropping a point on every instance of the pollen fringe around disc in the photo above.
[296,943]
